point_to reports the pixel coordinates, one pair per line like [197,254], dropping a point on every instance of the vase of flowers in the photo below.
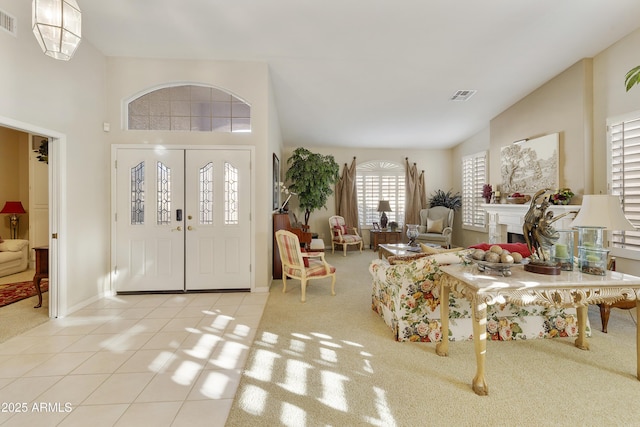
[487,192]
[561,197]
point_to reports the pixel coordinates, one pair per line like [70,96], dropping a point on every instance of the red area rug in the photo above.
[14,292]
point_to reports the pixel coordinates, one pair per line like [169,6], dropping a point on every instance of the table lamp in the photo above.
[598,213]
[13,209]
[383,206]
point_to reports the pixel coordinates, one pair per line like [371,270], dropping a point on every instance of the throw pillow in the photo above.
[341,228]
[305,260]
[434,226]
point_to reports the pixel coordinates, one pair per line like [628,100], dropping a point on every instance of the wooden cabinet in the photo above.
[282,222]
[379,237]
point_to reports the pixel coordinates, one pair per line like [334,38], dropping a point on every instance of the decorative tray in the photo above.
[497,267]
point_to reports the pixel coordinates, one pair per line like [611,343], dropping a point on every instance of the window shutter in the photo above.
[624,137]
[377,181]
[474,176]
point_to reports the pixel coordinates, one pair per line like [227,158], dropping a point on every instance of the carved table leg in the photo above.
[442,348]
[605,310]
[36,281]
[479,384]
[581,341]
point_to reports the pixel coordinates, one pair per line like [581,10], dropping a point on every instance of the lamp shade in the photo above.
[57,25]
[383,206]
[13,208]
[602,210]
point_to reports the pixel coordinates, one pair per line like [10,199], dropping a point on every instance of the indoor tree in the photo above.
[311,176]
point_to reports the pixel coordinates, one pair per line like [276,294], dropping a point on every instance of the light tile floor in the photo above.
[131,360]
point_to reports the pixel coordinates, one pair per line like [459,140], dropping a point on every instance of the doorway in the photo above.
[57,194]
[182,219]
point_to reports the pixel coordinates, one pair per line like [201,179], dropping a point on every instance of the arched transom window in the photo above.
[189,108]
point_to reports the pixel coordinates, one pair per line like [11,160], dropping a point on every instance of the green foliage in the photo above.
[448,199]
[312,176]
[632,78]
[43,151]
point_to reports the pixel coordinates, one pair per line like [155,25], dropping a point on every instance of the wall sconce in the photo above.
[383,206]
[13,209]
[57,25]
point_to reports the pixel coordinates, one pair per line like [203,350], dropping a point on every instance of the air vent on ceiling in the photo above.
[8,23]
[463,95]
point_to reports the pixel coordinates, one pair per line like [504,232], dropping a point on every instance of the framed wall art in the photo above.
[276,182]
[530,165]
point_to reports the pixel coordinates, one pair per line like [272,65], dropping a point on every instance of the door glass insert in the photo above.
[230,194]
[164,194]
[137,194]
[206,194]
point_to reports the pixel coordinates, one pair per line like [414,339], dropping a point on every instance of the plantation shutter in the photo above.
[474,176]
[624,137]
[380,181]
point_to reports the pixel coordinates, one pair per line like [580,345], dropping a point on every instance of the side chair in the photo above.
[343,235]
[300,265]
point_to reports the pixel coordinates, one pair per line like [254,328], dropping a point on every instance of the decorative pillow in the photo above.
[434,226]
[431,250]
[341,228]
[521,248]
[305,259]
[13,245]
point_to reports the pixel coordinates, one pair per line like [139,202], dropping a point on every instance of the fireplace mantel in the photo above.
[509,218]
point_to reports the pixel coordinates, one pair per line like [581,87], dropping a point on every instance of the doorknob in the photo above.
[177,229]
[190,228]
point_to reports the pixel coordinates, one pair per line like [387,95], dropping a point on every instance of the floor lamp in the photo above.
[14,209]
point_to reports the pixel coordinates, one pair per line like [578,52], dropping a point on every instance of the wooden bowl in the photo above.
[518,200]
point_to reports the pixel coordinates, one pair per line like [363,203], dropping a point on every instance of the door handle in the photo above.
[179,228]
[190,228]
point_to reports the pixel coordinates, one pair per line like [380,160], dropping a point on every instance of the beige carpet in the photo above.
[20,316]
[333,362]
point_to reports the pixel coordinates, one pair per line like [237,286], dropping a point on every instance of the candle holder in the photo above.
[562,249]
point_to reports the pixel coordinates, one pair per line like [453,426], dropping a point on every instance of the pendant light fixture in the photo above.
[57,25]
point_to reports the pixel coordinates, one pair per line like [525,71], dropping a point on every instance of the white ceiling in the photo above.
[373,73]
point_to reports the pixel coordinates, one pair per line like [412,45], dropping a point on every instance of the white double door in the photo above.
[182,219]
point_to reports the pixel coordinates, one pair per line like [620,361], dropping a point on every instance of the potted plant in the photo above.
[632,77]
[312,176]
[448,199]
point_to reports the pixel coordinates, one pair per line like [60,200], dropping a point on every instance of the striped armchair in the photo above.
[300,265]
[343,235]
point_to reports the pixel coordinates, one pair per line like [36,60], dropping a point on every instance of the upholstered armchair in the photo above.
[300,265]
[343,235]
[436,226]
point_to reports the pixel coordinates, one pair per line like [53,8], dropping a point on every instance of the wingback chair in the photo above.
[343,235]
[300,265]
[436,226]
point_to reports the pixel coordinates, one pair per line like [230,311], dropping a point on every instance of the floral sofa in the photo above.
[406,296]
